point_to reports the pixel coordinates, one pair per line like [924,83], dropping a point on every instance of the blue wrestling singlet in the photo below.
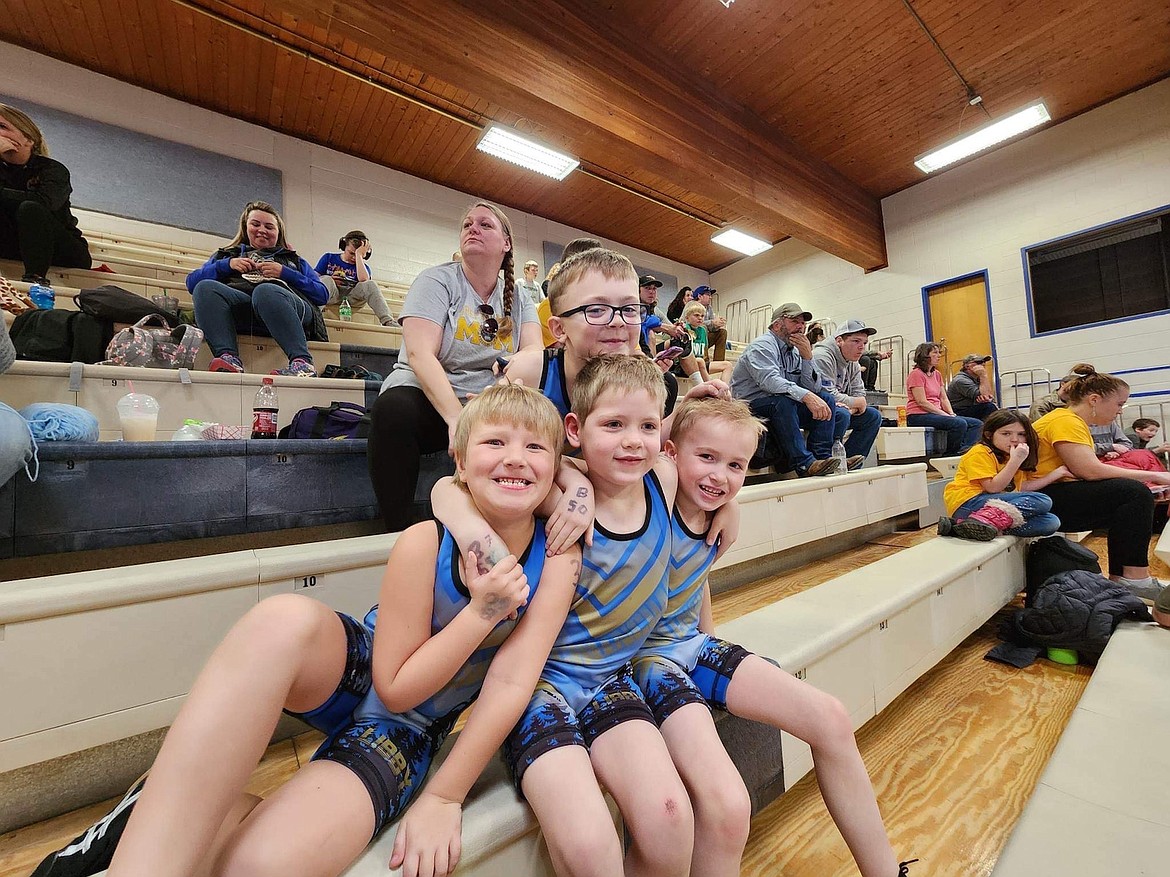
[391,752]
[620,597]
[552,381]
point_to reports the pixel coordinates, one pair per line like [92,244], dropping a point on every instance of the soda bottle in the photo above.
[42,296]
[345,311]
[264,410]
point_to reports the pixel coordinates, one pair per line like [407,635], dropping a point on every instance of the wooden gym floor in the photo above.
[953,759]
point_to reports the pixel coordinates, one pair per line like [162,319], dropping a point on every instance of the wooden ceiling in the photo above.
[780,118]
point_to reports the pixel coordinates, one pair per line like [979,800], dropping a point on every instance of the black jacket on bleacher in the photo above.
[44,180]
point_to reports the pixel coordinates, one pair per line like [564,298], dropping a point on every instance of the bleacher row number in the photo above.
[802,673]
[113,382]
[882,625]
[282,458]
[304,583]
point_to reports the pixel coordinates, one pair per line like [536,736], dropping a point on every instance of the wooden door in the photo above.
[958,317]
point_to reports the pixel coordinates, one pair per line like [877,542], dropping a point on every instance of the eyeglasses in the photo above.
[490,327]
[602,315]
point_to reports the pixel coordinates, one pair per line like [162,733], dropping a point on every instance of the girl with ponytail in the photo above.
[458,318]
[1095,495]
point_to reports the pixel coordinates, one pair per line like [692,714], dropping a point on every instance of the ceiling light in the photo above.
[984,138]
[726,3]
[740,242]
[507,144]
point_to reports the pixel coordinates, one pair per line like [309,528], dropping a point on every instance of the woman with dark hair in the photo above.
[993,491]
[675,308]
[458,318]
[816,333]
[260,285]
[36,224]
[928,405]
[1095,495]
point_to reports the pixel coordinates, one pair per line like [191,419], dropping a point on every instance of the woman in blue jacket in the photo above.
[260,285]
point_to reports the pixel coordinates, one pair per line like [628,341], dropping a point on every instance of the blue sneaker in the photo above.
[297,368]
[226,362]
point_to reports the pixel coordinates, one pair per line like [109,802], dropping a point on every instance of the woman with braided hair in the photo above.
[458,318]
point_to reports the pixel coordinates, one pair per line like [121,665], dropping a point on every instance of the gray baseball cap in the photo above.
[852,327]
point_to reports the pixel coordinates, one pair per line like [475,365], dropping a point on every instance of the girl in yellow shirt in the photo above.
[991,494]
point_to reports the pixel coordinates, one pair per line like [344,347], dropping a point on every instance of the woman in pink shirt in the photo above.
[928,405]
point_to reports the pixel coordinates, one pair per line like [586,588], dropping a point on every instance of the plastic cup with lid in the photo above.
[138,414]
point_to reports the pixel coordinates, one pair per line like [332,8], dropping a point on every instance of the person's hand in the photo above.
[817,406]
[363,251]
[857,405]
[1111,455]
[1019,453]
[1121,449]
[241,265]
[676,330]
[983,397]
[1060,472]
[497,593]
[452,422]
[714,388]
[800,342]
[719,322]
[429,839]
[664,365]
[270,269]
[572,518]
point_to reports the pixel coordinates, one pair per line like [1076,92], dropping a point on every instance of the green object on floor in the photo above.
[1062,656]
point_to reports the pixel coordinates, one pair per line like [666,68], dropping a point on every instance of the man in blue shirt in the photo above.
[776,377]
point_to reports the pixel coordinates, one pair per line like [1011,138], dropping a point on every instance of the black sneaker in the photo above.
[90,852]
[975,531]
[946,526]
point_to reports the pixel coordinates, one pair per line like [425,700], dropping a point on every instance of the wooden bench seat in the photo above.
[1102,805]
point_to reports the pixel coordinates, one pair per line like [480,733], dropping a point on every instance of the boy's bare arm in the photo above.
[706,615]
[724,527]
[454,509]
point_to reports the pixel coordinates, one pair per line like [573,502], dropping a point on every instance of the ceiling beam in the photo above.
[593,95]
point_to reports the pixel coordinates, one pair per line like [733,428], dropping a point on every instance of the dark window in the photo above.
[1109,273]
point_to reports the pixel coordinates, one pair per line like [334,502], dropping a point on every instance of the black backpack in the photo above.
[61,336]
[120,305]
[1054,555]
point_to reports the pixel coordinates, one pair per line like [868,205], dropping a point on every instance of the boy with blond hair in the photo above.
[587,724]
[683,669]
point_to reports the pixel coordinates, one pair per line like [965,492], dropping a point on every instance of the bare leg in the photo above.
[764,693]
[723,809]
[287,651]
[632,762]
[578,828]
[314,825]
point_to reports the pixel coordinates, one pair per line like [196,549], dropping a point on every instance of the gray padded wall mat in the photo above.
[114,170]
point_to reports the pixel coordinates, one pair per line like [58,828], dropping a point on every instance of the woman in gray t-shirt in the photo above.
[457,319]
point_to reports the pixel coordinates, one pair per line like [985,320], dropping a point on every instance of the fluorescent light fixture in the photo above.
[507,144]
[983,138]
[726,3]
[740,242]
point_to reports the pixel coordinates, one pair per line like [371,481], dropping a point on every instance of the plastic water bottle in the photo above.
[345,311]
[839,456]
[42,296]
[264,410]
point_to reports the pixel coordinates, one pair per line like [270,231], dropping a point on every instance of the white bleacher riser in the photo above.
[783,514]
[901,442]
[97,656]
[866,636]
[217,397]
[1102,805]
[1162,549]
[364,333]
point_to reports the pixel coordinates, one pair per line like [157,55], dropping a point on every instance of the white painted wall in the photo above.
[1099,167]
[413,223]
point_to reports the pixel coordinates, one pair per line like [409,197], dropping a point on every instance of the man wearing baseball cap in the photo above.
[528,283]
[775,375]
[716,325]
[836,360]
[970,390]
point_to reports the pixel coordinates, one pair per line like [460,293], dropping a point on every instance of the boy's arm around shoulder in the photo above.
[724,527]
[431,827]
[526,367]
[409,664]
[453,508]
[667,474]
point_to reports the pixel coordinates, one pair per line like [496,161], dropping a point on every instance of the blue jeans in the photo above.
[17,448]
[980,410]
[962,432]
[1035,507]
[864,428]
[270,309]
[786,418]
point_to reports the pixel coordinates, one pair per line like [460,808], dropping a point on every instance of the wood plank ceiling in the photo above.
[778,118]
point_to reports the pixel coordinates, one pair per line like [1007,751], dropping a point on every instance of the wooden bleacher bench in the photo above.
[1102,805]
